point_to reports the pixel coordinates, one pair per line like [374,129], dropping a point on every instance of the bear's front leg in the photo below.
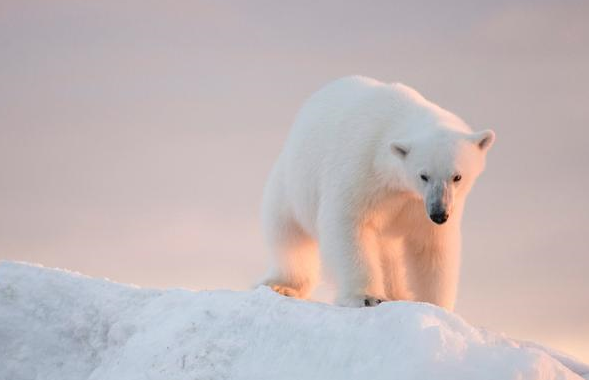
[354,262]
[433,267]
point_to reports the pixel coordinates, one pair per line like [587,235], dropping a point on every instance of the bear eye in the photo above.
[424,177]
[457,178]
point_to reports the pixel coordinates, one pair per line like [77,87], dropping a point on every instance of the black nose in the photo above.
[439,217]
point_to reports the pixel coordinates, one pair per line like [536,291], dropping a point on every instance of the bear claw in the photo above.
[370,301]
[285,291]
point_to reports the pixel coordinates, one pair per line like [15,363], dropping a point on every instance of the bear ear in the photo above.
[483,139]
[400,148]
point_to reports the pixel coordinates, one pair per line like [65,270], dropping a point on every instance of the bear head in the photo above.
[440,167]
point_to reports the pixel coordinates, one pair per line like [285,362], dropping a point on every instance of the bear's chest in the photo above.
[399,215]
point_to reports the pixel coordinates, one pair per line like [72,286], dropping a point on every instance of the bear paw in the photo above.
[361,301]
[285,291]
[372,301]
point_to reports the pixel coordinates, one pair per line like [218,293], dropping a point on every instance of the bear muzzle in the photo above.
[439,202]
[439,217]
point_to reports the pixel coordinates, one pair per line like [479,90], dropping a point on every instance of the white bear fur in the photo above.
[348,184]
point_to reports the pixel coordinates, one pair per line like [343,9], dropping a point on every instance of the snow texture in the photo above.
[60,325]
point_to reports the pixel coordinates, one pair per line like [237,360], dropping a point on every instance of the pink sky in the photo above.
[135,137]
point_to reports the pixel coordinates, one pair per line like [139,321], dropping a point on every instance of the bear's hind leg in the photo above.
[295,261]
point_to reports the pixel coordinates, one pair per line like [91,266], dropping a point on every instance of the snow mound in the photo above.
[61,325]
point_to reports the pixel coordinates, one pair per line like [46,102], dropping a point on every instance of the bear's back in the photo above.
[350,114]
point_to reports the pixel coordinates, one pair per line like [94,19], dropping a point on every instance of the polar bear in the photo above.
[371,183]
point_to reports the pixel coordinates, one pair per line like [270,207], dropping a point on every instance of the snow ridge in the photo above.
[61,325]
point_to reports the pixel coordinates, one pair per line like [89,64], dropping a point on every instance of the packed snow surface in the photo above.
[60,325]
